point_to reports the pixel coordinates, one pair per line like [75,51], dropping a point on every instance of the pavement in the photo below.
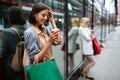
[107,65]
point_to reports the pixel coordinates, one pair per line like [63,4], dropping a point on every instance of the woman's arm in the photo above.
[51,19]
[42,53]
[39,57]
[58,41]
[85,35]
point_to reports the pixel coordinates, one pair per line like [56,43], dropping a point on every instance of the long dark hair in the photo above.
[16,16]
[36,8]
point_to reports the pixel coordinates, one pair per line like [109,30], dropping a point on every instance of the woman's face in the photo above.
[42,16]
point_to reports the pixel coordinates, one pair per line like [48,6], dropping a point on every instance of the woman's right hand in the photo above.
[92,32]
[58,41]
[50,15]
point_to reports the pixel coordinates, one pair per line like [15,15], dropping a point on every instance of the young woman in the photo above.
[86,47]
[38,38]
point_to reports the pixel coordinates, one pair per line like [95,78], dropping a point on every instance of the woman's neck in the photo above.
[39,27]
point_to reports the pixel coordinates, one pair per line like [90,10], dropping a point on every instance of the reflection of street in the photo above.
[58,54]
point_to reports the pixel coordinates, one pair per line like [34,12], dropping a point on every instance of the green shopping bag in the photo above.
[47,70]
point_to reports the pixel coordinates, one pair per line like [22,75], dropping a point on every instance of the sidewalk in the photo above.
[107,63]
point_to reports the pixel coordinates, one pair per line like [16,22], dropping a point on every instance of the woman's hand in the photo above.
[47,57]
[58,40]
[92,34]
[50,16]
[51,19]
[36,59]
[59,37]
[53,36]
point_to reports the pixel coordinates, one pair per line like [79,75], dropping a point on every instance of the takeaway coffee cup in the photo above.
[55,29]
[59,38]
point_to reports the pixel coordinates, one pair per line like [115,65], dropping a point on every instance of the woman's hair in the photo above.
[75,22]
[84,21]
[16,16]
[36,8]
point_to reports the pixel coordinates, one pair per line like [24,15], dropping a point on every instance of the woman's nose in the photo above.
[45,17]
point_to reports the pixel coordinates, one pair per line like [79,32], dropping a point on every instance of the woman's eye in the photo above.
[43,15]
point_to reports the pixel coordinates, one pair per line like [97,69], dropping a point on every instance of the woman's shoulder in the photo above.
[81,28]
[29,30]
[74,28]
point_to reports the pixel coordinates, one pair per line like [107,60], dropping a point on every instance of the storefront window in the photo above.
[58,11]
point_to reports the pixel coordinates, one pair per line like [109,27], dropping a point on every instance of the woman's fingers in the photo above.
[54,35]
[35,59]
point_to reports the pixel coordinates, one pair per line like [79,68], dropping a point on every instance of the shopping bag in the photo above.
[96,46]
[47,70]
[25,73]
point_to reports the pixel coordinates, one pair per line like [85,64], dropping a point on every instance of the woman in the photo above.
[72,37]
[86,47]
[9,41]
[38,38]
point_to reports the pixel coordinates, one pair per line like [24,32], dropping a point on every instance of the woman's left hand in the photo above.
[50,16]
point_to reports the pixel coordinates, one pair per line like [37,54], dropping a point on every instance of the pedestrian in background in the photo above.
[86,47]
[38,39]
[9,41]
